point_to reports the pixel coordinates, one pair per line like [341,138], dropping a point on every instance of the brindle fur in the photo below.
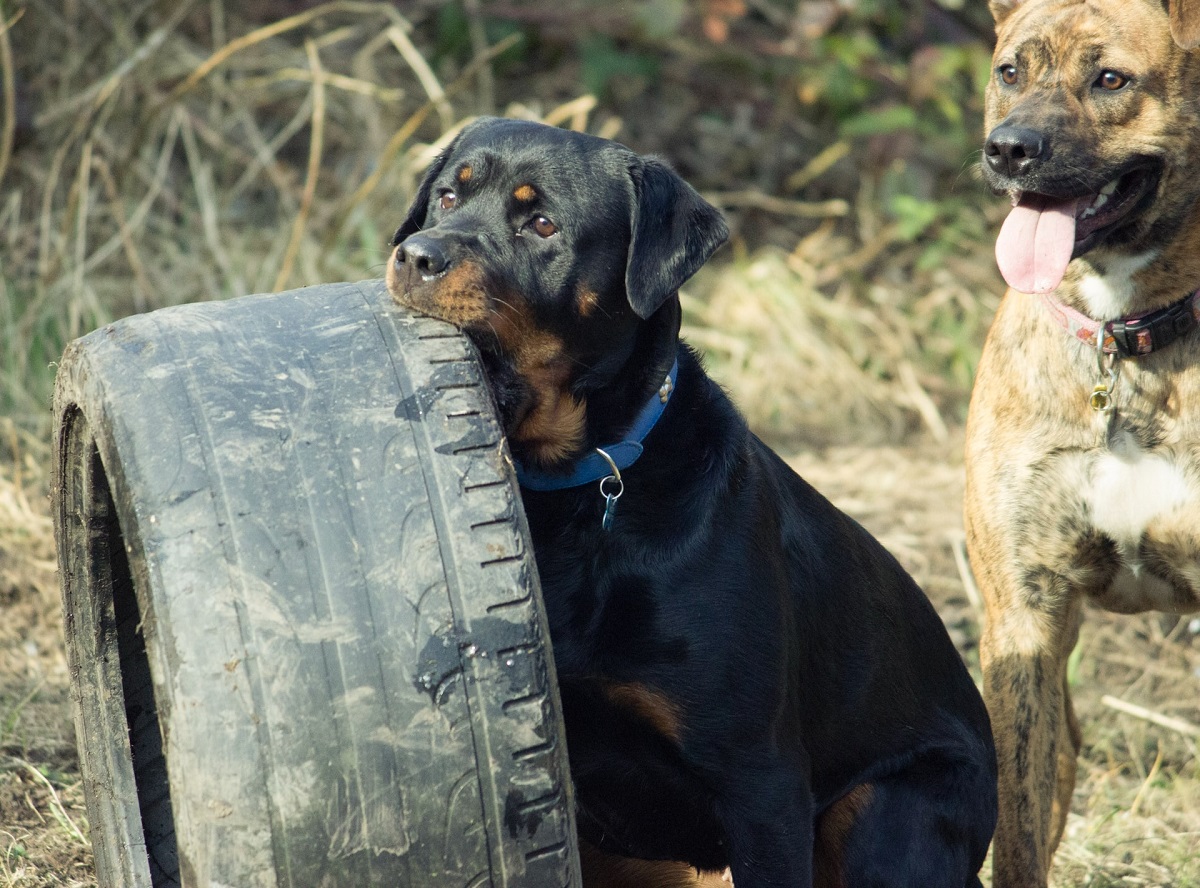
[1033,444]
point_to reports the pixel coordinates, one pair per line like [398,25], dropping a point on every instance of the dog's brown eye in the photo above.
[449,199]
[544,227]
[1008,73]
[1111,80]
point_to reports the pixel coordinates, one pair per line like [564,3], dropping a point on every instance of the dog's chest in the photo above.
[1128,492]
[1146,502]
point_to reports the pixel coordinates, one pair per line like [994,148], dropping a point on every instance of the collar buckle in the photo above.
[1140,336]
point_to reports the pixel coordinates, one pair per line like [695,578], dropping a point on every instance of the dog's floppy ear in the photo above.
[420,205]
[1185,22]
[674,232]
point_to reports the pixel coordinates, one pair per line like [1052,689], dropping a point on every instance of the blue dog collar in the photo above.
[600,464]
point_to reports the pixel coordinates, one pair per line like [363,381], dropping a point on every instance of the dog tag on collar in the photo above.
[1101,398]
[610,499]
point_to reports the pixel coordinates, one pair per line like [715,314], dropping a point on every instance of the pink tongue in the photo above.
[1035,243]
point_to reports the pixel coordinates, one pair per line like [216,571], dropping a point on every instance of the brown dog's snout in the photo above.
[422,255]
[1015,150]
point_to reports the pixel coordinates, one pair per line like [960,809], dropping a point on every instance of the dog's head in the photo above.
[561,256]
[1092,129]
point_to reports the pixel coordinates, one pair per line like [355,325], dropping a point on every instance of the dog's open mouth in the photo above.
[1042,233]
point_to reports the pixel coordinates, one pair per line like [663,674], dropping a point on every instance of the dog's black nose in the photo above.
[1014,150]
[423,255]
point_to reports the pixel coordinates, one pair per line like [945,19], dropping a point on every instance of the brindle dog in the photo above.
[1083,456]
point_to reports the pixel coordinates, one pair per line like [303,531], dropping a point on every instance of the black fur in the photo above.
[785,656]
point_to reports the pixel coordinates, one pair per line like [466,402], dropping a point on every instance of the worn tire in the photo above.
[304,625]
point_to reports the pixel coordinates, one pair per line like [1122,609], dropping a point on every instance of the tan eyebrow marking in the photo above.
[525,193]
[464,175]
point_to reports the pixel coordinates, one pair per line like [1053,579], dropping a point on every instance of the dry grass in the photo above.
[164,170]
[200,149]
[787,330]
[42,823]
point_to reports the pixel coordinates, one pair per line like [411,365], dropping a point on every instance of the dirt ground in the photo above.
[1136,778]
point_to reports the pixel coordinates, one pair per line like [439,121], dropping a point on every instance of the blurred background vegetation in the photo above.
[166,151]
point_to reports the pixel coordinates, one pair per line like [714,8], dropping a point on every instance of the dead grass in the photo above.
[42,822]
[185,151]
[784,330]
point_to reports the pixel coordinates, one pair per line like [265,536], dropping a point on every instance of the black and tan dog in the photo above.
[748,678]
[1083,451]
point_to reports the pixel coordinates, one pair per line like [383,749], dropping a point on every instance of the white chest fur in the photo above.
[1110,296]
[1128,489]
[1128,493]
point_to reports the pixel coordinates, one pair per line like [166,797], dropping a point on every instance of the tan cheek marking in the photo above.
[586,301]
[554,429]
[458,297]
[555,425]
[653,706]
[464,175]
[525,193]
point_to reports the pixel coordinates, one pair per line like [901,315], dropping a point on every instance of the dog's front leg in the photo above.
[1024,655]
[767,812]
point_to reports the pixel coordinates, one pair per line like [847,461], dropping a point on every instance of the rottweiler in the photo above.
[749,679]
[1083,437]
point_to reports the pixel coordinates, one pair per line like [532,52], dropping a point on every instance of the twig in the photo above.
[206,197]
[1163,721]
[282,26]
[56,805]
[138,217]
[402,135]
[1137,799]
[922,402]
[100,92]
[144,290]
[8,134]
[316,146]
[958,547]
[265,154]
[576,111]
[781,206]
[84,184]
[872,248]
[332,79]
[817,167]
[487,89]
[425,75]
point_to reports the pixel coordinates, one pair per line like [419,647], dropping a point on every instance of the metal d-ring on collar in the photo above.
[604,464]
[610,496]
[1101,398]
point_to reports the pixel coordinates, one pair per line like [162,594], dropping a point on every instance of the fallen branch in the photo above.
[758,200]
[1163,721]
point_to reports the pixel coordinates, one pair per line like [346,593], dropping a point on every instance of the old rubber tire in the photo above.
[304,625]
